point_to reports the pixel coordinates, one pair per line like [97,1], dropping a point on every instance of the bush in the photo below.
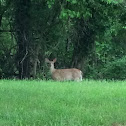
[115,70]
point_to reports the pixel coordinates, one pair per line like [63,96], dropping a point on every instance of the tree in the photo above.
[82,34]
[91,20]
[34,20]
[22,28]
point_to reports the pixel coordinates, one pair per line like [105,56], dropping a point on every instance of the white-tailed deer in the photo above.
[64,74]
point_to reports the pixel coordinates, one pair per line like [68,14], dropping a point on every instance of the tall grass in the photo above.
[49,103]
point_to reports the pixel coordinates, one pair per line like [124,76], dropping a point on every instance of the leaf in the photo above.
[74,2]
[78,14]
[49,6]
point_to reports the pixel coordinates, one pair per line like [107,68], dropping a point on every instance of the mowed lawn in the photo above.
[50,103]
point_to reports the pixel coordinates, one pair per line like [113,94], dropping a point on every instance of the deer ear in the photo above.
[47,60]
[54,60]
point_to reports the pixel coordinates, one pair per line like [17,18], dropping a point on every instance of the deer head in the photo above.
[64,74]
[52,69]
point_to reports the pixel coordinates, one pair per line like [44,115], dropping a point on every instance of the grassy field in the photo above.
[49,103]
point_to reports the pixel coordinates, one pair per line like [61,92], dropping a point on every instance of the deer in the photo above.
[64,74]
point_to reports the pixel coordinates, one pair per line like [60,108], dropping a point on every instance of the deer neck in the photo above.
[52,69]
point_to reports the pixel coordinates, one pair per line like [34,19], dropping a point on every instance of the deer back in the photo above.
[67,74]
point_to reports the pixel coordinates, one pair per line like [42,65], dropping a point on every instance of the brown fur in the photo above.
[64,74]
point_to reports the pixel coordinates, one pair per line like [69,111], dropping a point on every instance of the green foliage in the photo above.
[113,1]
[116,69]
[50,3]
[7,51]
[65,14]
[92,30]
[72,1]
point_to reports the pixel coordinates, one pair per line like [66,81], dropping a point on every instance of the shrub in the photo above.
[116,69]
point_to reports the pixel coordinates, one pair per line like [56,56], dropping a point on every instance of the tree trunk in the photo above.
[82,45]
[22,21]
[35,61]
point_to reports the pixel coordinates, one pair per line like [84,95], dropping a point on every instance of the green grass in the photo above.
[49,103]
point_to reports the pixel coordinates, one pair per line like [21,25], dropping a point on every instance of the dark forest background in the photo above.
[86,34]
